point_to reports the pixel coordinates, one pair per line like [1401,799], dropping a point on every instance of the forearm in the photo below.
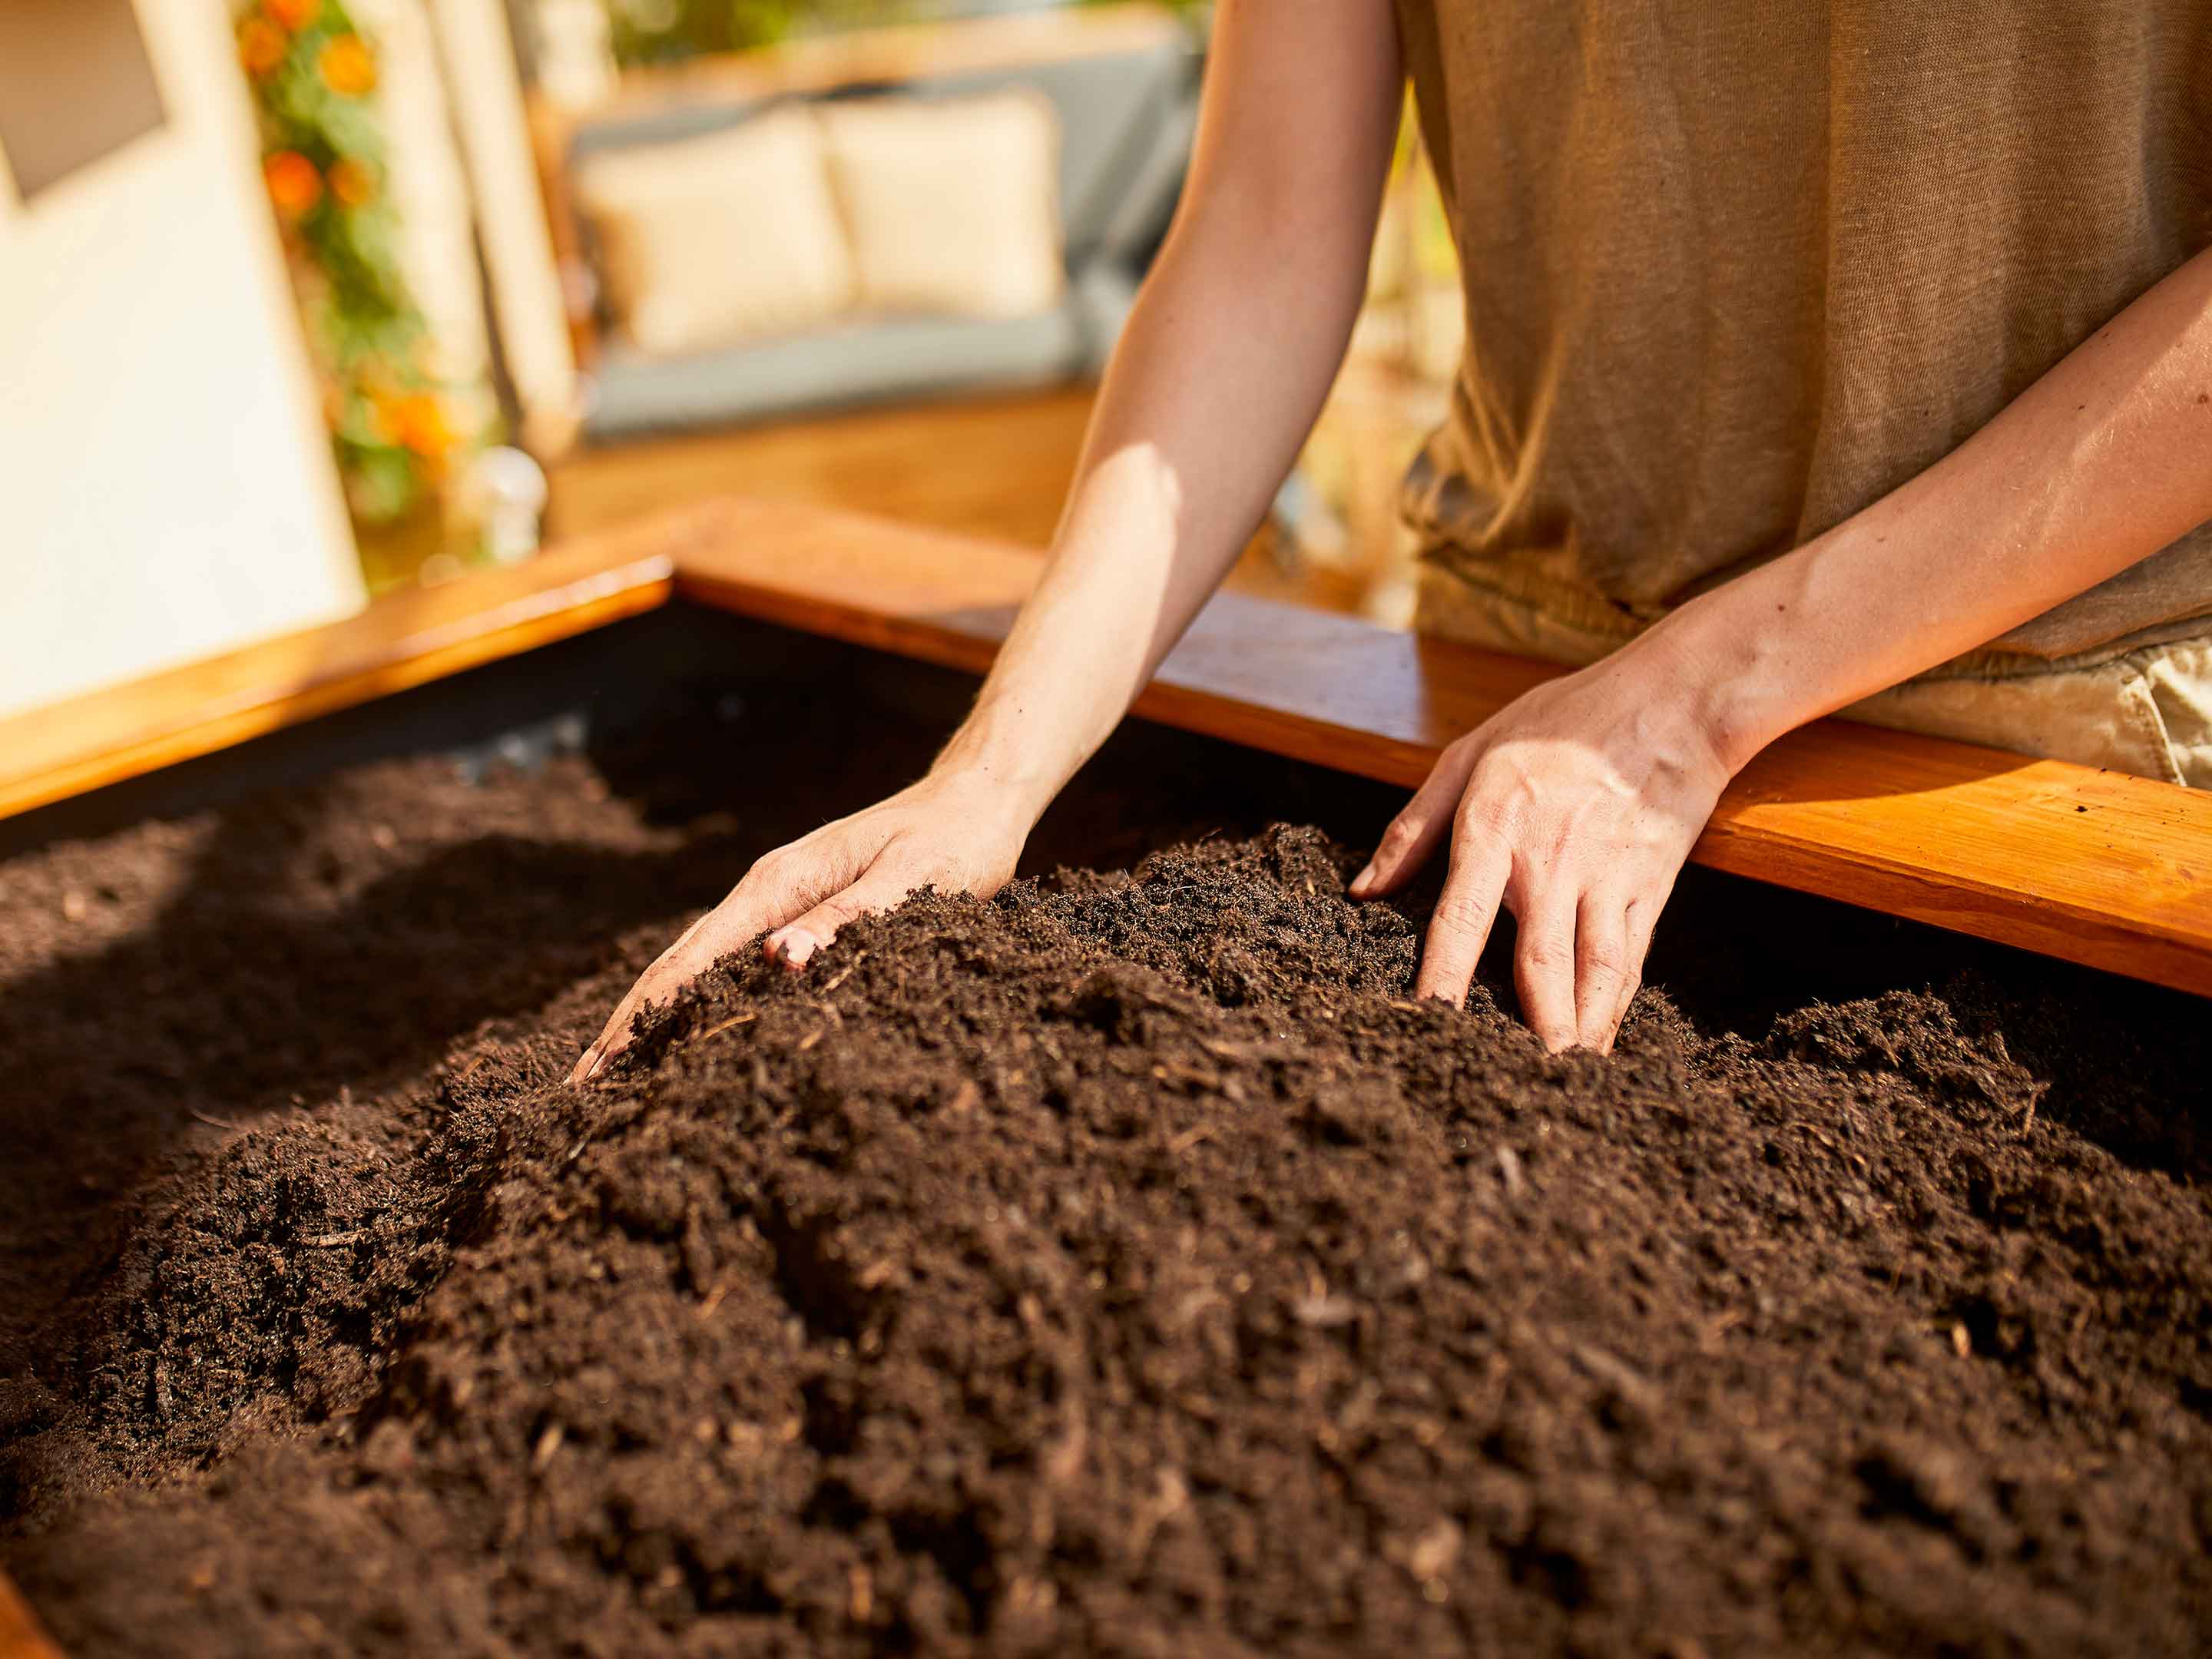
[1209,397]
[2100,464]
[1224,363]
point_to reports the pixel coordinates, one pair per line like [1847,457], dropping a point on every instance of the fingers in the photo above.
[882,887]
[1464,914]
[614,1037]
[1420,828]
[1639,916]
[1606,969]
[656,984]
[699,948]
[1544,965]
[770,896]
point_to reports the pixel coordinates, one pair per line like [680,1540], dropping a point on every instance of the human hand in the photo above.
[1574,808]
[953,832]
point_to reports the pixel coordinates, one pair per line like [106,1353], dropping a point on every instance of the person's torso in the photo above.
[1735,269]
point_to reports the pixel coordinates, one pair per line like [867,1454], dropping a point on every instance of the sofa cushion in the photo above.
[1112,108]
[730,236]
[951,206]
[860,362]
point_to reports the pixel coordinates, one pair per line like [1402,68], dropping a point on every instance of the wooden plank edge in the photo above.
[1891,887]
[691,562]
[430,653]
[1735,842]
[938,644]
[21,1635]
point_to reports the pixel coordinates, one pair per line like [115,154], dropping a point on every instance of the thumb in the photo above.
[879,887]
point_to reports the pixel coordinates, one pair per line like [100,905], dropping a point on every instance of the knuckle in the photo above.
[700,945]
[1605,964]
[1640,925]
[1485,817]
[1544,953]
[833,913]
[904,866]
[1458,914]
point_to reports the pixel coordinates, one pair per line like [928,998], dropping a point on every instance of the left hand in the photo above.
[1574,808]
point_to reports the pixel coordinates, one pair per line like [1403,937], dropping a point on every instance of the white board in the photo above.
[166,490]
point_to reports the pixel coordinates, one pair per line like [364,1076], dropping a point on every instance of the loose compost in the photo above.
[1126,1265]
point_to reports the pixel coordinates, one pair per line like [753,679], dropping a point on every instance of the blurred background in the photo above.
[303,301]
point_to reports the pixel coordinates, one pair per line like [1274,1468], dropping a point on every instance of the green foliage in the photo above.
[313,77]
[669,30]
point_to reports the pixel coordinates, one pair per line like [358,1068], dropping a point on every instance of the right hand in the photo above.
[953,832]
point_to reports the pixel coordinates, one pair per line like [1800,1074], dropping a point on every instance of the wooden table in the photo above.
[21,1637]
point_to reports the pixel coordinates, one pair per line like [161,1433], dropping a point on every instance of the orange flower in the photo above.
[293,14]
[352,183]
[347,66]
[382,415]
[418,421]
[260,47]
[294,184]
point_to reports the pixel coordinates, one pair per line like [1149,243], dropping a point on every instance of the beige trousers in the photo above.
[2146,710]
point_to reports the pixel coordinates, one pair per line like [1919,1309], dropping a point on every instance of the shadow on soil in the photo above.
[237,1000]
[225,1011]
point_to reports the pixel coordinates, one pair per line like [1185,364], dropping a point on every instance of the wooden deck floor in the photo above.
[995,466]
[988,466]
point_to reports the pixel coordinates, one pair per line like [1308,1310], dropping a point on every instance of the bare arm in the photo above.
[1575,808]
[1227,356]
[2101,463]
[1228,352]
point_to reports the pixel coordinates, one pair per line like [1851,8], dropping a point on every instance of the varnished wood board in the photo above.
[890,54]
[402,640]
[21,1636]
[2094,868]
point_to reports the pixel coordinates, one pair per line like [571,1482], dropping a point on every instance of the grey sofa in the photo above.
[1125,121]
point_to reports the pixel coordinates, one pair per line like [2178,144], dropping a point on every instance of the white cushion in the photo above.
[951,205]
[719,240]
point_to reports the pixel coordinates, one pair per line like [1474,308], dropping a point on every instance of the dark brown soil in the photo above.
[1124,1266]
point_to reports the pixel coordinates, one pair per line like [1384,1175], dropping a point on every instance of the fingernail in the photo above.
[1363,881]
[792,950]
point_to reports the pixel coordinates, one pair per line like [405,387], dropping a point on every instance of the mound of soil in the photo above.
[1127,1266]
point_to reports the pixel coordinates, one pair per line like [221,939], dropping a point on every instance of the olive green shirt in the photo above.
[1735,269]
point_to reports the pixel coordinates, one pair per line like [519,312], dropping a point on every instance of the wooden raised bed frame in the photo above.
[2094,868]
